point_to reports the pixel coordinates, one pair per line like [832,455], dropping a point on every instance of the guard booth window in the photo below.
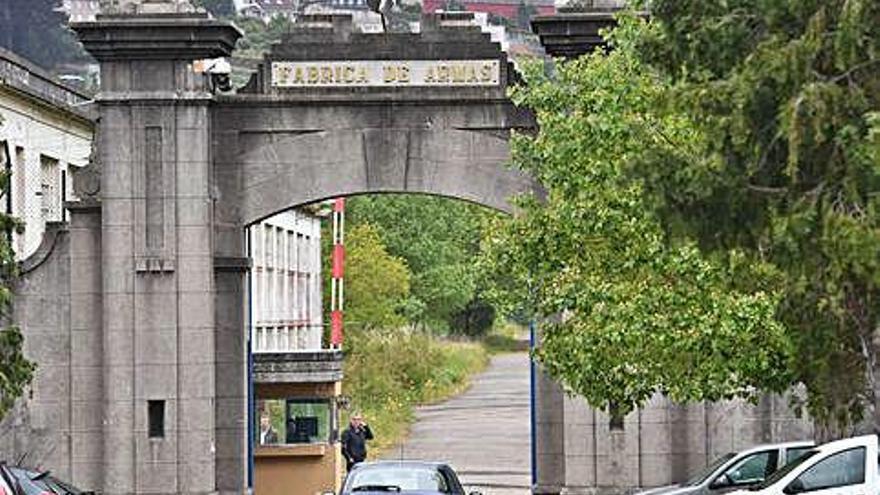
[293,421]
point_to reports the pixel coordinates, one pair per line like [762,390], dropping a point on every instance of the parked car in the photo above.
[844,467]
[415,477]
[19,481]
[5,486]
[737,470]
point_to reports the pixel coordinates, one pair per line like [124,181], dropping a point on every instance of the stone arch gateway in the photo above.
[151,269]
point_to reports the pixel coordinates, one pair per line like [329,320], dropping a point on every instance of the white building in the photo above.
[44,131]
[81,10]
[286,303]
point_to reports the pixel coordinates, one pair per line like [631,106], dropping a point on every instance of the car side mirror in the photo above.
[722,481]
[796,486]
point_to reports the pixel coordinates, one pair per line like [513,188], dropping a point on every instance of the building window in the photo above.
[156,415]
[50,189]
[293,421]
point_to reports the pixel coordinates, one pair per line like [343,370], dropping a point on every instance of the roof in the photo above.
[407,463]
[787,445]
[27,78]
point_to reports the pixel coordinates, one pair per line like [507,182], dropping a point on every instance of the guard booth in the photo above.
[298,395]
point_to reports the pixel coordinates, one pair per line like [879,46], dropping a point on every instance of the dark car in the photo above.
[413,477]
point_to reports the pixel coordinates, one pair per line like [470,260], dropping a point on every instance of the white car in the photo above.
[844,467]
[737,470]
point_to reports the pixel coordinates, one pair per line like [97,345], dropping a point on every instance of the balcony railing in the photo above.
[287,337]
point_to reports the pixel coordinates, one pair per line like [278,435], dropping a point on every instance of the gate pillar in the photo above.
[157,254]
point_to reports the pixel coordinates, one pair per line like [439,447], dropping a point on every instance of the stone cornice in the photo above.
[157,37]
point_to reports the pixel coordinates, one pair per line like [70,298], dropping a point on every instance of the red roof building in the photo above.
[509,9]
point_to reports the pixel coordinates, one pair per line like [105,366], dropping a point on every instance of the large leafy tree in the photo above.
[439,239]
[630,308]
[16,372]
[787,94]
[711,228]
[376,283]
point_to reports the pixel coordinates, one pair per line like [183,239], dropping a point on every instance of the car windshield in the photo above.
[703,475]
[29,482]
[778,475]
[397,479]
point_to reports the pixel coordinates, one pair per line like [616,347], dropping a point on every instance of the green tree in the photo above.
[37,30]
[376,283]
[16,372]
[439,239]
[787,95]
[629,308]
[718,172]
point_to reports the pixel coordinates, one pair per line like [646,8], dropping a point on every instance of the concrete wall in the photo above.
[664,442]
[40,428]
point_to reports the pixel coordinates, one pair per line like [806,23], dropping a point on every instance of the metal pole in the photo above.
[532,411]
[251,415]
[337,282]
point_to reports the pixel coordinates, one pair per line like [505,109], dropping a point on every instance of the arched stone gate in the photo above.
[158,236]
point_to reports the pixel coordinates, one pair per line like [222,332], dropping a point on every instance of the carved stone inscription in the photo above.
[384,73]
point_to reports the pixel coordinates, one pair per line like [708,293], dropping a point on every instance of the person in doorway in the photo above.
[354,441]
[267,433]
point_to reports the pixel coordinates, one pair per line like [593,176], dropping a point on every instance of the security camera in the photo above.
[219,70]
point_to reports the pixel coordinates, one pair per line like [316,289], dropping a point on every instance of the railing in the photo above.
[287,337]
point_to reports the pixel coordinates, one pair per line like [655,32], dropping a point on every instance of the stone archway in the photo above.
[182,172]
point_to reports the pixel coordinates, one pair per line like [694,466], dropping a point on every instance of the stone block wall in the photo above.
[664,442]
[38,429]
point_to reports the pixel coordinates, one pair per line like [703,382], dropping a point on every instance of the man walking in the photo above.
[354,441]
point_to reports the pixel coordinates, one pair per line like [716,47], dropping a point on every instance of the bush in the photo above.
[388,373]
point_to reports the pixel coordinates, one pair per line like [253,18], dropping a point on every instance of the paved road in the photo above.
[483,433]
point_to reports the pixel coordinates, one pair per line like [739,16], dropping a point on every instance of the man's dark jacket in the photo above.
[354,444]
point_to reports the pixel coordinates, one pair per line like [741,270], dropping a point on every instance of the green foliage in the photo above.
[631,308]
[16,372]
[787,95]
[260,36]
[712,208]
[37,31]
[439,239]
[217,8]
[388,373]
[376,284]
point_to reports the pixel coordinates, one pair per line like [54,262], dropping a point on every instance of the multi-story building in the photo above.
[45,131]
[286,283]
[512,10]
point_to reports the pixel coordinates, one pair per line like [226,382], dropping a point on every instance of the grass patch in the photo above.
[507,337]
[388,373]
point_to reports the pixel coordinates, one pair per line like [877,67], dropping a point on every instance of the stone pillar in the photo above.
[87,391]
[550,435]
[157,247]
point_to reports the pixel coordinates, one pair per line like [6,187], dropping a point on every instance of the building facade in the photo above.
[286,311]
[45,132]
